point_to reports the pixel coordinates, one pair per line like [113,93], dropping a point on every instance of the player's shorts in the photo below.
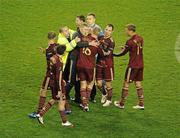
[104,73]
[134,74]
[86,74]
[54,90]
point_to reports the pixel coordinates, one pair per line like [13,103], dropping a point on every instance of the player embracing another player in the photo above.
[105,65]
[134,71]
[86,65]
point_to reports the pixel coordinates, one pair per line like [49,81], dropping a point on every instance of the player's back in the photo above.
[135,44]
[50,51]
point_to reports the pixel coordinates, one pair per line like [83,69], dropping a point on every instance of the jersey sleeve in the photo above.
[59,70]
[124,51]
[69,45]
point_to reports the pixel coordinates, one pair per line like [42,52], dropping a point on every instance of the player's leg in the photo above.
[61,109]
[124,94]
[77,92]
[93,94]
[140,95]
[66,73]
[91,74]
[72,76]
[89,89]
[42,97]
[109,94]
[67,105]
[83,87]
[45,110]
[47,106]
[129,77]
[99,78]
[88,94]
[100,87]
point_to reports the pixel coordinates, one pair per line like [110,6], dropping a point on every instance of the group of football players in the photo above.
[83,59]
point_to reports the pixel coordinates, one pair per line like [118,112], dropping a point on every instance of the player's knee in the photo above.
[138,84]
[99,84]
[62,106]
[43,92]
[108,85]
[52,101]
[90,85]
[125,85]
[83,85]
[109,88]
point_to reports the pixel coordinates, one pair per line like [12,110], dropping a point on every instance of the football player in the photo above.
[134,71]
[49,51]
[91,21]
[86,66]
[105,65]
[57,85]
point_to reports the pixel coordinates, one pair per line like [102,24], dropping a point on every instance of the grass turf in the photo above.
[23,28]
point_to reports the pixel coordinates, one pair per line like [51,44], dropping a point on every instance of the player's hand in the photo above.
[94,43]
[77,39]
[42,50]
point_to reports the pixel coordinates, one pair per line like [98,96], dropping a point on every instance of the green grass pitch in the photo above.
[23,28]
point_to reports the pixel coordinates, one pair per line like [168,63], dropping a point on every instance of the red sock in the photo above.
[42,101]
[109,93]
[45,109]
[123,97]
[140,96]
[63,116]
[83,97]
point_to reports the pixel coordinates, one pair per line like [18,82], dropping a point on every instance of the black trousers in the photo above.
[70,73]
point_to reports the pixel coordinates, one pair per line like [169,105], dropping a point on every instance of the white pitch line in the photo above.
[177,48]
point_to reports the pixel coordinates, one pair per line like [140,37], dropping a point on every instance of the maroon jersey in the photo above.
[108,45]
[56,68]
[50,51]
[135,48]
[87,56]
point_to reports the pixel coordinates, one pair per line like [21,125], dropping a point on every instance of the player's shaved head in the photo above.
[92,14]
[65,31]
[131,27]
[84,29]
[62,29]
[84,25]
[51,35]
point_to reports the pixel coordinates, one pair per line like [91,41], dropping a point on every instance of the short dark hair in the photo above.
[81,17]
[51,35]
[92,14]
[131,27]
[111,25]
[60,49]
